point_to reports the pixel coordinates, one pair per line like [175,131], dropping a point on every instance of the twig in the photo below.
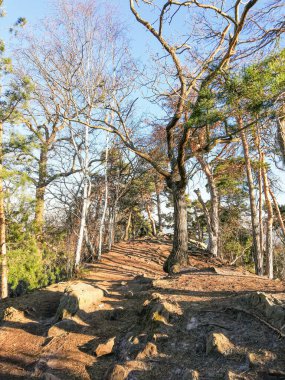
[258,318]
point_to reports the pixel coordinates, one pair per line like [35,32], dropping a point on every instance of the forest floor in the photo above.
[187,326]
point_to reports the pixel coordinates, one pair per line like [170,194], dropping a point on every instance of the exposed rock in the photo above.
[160,337]
[265,306]
[218,342]
[184,374]
[260,359]
[143,281]
[62,327]
[49,376]
[12,314]
[149,351]
[105,348]
[129,294]
[158,312]
[192,324]
[197,244]
[117,313]
[116,372]
[77,297]
[175,268]
[41,368]
[190,374]
[230,375]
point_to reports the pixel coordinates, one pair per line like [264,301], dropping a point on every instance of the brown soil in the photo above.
[203,299]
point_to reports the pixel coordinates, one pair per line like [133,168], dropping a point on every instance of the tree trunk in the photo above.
[207,217]
[179,254]
[40,191]
[84,211]
[102,223]
[127,230]
[214,210]
[3,247]
[112,225]
[279,216]
[158,205]
[260,180]
[89,244]
[152,221]
[269,222]
[258,255]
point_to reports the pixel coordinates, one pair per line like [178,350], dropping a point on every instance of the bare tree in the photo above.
[187,72]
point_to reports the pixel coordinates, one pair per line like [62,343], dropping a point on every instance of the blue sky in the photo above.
[35,10]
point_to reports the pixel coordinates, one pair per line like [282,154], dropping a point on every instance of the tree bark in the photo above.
[258,255]
[279,216]
[89,244]
[158,205]
[102,223]
[269,222]
[3,246]
[84,211]
[152,221]
[40,190]
[214,225]
[260,180]
[112,225]
[179,254]
[126,235]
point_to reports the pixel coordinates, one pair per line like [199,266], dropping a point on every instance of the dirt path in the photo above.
[181,314]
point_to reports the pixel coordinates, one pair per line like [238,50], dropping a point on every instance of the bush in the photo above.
[32,266]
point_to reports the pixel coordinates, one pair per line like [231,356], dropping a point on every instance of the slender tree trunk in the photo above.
[112,225]
[207,216]
[152,221]
[179,254]
[89,244]
[260,180]
[128,225]
[269,222]
[260,208]
[279,216]
[3,247]
[158,205]
[102,223]
[96,218]
[87,187]
[84,211]
[40,191]
[198,230]
[258,255]
[214,210]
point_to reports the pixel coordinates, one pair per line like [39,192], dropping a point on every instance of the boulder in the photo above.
[157,312]
[62,327]
[219,343]
[148,351]
[105,348]
[13,315]
[266,306]
[116,372]
[260,359]
[78,297]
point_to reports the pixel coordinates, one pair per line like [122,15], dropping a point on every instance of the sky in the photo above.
[35,10]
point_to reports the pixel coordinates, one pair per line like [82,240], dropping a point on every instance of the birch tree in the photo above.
[187,72]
